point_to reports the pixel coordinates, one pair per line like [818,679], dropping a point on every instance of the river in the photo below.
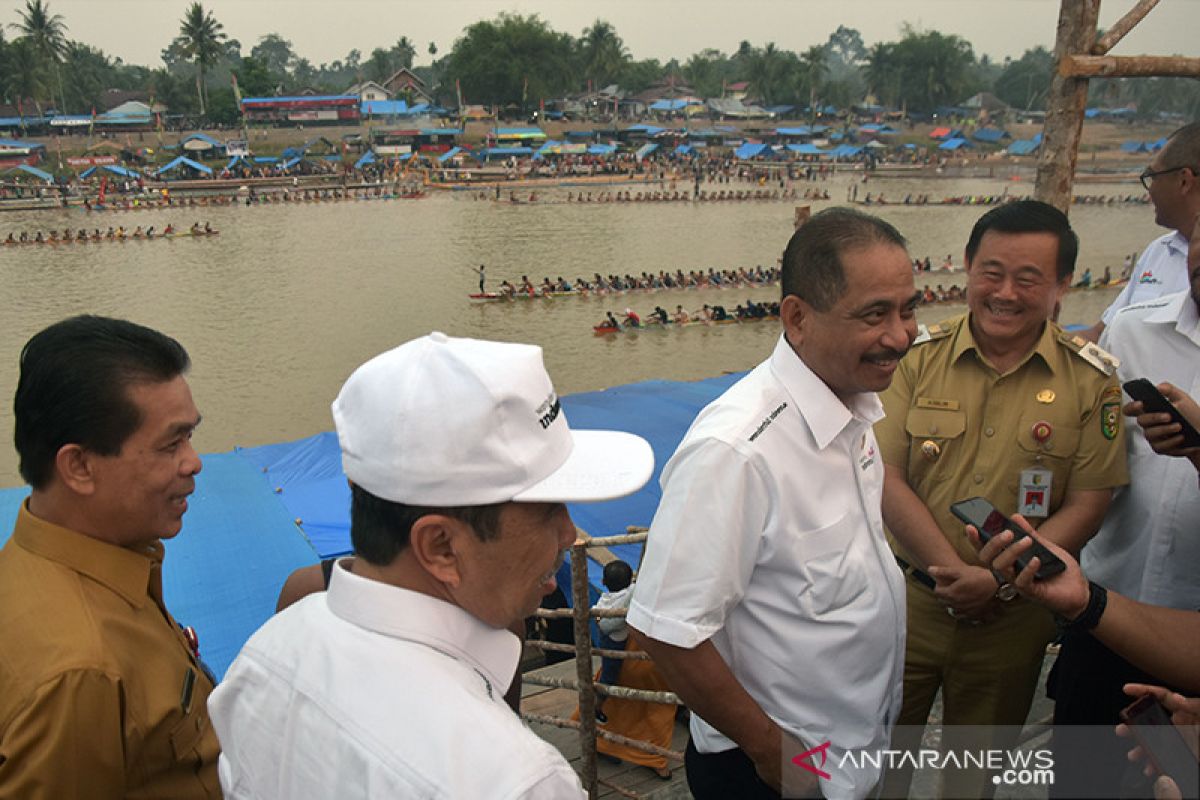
[278,309]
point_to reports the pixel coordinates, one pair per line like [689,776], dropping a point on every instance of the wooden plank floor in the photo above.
[562,703]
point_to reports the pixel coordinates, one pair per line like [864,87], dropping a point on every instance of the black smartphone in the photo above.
[988,521]
[1162,742]
[1153,401]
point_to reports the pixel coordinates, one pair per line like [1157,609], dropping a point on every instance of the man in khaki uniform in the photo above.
[102,695]
[999,403]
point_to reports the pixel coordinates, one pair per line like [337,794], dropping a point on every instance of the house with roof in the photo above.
[369,92]
[407,84]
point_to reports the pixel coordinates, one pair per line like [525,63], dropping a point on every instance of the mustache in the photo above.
[885,355]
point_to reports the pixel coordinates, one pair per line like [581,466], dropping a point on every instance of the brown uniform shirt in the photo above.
[100,696]
[959,429]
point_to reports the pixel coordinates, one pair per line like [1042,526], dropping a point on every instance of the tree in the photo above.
[512,60]
[846,46]
[602,54]
[813,68]
[773,74]
[922,70]
[1023,83]
[91,72]
[201,39]
[275,53]
[47,36]
[25,75]
[708,72]
[432,49]
[255,78]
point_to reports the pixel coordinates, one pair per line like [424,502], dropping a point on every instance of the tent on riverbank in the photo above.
[183,162]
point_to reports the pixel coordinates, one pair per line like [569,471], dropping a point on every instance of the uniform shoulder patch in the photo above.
[1090,352]
[930,333]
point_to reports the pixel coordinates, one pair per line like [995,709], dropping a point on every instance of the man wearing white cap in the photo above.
[391,683]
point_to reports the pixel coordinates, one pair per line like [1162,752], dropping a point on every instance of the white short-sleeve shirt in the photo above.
[1161,270]
[769,542]
[369,690]
[1148,548]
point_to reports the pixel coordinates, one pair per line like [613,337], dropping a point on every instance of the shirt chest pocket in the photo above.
[833,574]
[935,441]
[1048,439]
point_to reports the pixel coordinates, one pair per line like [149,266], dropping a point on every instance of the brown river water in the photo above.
[280,308]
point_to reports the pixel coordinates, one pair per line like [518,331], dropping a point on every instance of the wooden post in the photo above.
[1065,103]
[583,667]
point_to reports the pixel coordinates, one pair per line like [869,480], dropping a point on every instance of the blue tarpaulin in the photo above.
[953,144]
[115,169]
[34,171]
[449,154]
[806,149]
[644,150]
[683,149]
[752,150]
[991,135]
[256,510]
[182,161]
[366,158]
[649,130]
[492,152]
[384,108]
[1134,147]
[607,149]
[1024,147]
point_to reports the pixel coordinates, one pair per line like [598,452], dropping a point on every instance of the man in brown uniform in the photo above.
[1003,404]
[102,695]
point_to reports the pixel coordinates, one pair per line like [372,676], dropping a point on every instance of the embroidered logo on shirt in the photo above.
[1148,277]
[867,458]
[766,422]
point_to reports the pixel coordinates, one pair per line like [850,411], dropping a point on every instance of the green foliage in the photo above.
[255,78]
[1023,83]
[222,107]
[202,40]
[708,71]
[513,60]
[922,71]
[602,54]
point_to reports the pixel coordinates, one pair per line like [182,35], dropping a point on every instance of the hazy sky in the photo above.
[324,30]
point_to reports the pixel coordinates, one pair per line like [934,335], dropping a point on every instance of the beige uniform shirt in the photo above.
[959,429]
[100,696]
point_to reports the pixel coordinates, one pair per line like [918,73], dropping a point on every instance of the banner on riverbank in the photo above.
[91,161]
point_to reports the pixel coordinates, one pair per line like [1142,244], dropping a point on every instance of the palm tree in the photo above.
[200,38]
[23,74]
[604,53]
[47,37]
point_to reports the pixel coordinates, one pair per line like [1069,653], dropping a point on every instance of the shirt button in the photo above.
[978,478]
[989,432]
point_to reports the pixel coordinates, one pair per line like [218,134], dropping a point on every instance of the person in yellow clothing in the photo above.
[102,694]
[999,403]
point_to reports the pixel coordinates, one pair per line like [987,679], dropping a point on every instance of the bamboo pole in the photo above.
[605,541]
[631,655]
[583,668]
[595,613]
[616,738]
[1129,66]
[623,692]
[621,790]
[1123,26]
[1066,101]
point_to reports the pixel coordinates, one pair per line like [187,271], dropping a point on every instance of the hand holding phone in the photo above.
[1154,402]
[1162,743]
[979,512]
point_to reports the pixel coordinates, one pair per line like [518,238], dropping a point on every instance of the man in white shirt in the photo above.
[1173,181]
[767,593]
[391,684]
[1147,549]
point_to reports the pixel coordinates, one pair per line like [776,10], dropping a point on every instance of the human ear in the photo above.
[794,314]
[75,468]
[437,542]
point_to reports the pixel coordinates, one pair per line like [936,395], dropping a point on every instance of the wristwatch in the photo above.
[1006,590]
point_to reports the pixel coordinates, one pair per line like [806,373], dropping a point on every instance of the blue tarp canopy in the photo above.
[490,152]
[1134,147]
[266,159]
[291,162]
[683,149]
[642,151]
[384,108]
[201,137]
[115,169]
[844,150]
[649,130]
[235,159]
[752,150]
[779,110]
[992,135]
[449,154]
[669,105]
[366,158]
[184,161]
[608,149]
[34,171]
[21,145]
[520,133]
[806,149]
[803,130]
[1024,147]
[953,144]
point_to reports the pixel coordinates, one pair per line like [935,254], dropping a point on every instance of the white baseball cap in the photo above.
[443,421]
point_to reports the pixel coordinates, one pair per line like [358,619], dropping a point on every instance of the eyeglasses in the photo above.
[1149,175]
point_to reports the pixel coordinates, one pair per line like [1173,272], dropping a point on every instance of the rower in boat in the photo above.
[507,290]
[631,318]
[10,239]
[138,233]
[169,230]
[208,229]
[195,231]
[38,238]
[150,234]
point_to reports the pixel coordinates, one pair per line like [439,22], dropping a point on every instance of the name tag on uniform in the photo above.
[1033,498]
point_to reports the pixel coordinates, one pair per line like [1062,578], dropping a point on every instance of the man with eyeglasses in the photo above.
[1173,181]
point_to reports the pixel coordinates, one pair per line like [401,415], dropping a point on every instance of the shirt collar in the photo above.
[823,411]
[1044,348]
[1178,243]
[412,616]
[125,571]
